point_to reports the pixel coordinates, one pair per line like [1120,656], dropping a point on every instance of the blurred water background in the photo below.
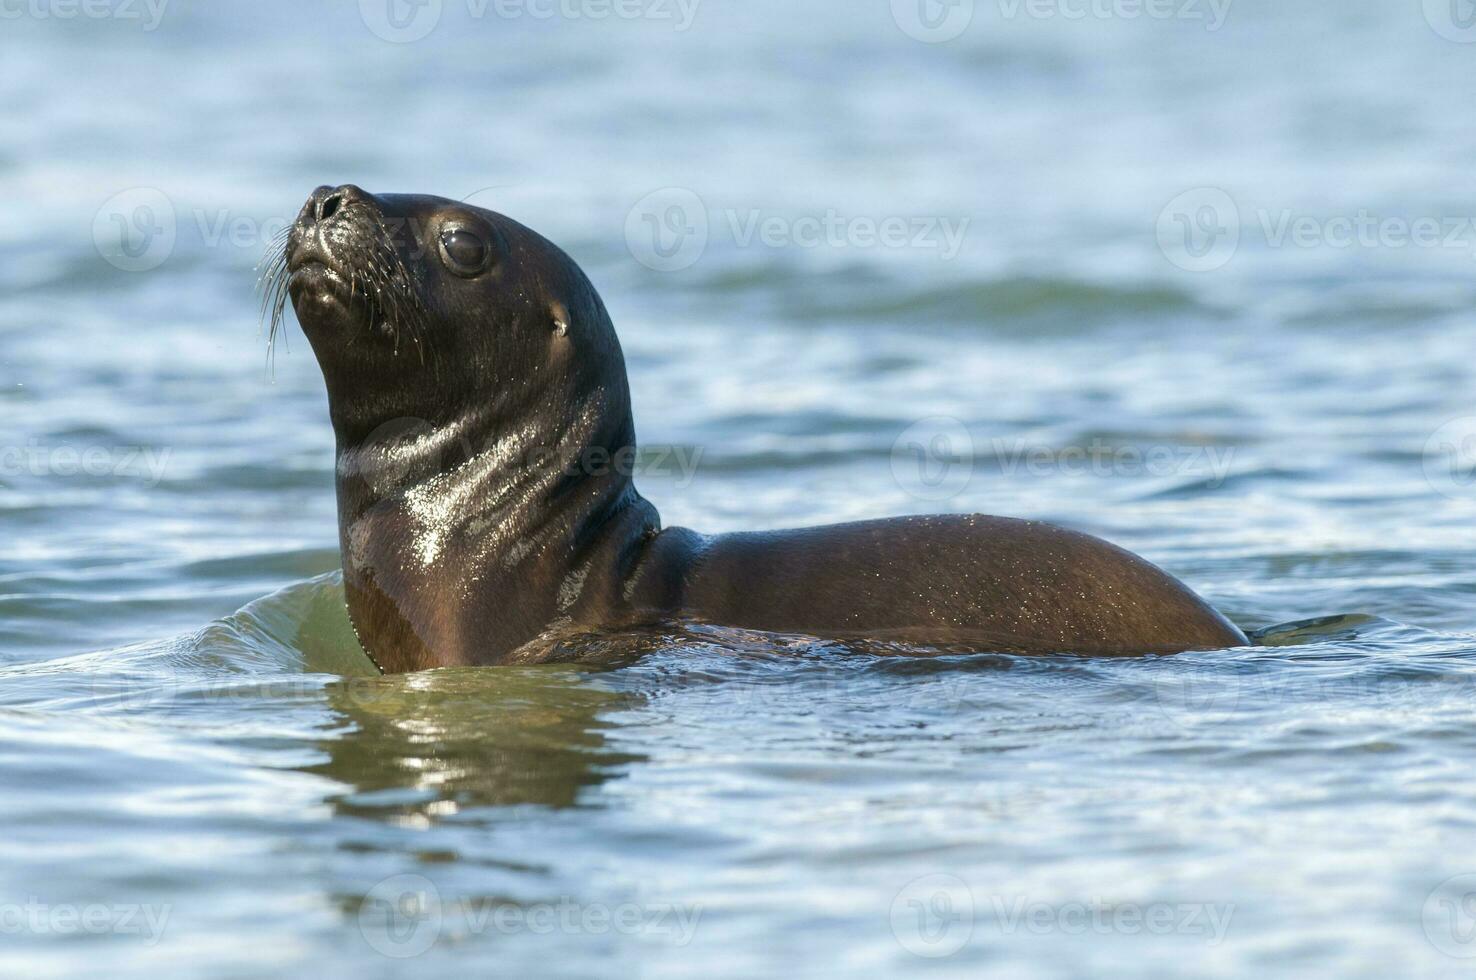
[1194,276]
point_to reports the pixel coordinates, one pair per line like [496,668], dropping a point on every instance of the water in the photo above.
[195,753]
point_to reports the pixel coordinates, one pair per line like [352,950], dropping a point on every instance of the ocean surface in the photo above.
[1196,277]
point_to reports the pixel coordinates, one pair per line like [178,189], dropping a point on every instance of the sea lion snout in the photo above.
[329,217]
[326,201]
[337,249]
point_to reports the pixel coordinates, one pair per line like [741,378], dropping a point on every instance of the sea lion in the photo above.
[479,399]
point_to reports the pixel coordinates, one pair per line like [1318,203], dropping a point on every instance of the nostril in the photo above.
[329,207]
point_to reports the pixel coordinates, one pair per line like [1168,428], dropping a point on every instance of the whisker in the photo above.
[377,275]
[272,284]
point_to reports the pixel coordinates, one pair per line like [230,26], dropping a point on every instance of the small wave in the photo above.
[855,295]
[1194,487]
[301,629]
[1345,626]
[1017,299]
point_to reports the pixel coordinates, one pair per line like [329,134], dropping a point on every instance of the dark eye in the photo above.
[465,252]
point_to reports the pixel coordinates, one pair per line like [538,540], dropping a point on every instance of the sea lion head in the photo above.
[422,307]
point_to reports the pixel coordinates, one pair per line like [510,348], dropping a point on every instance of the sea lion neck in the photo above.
[486,460]
[488,504]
